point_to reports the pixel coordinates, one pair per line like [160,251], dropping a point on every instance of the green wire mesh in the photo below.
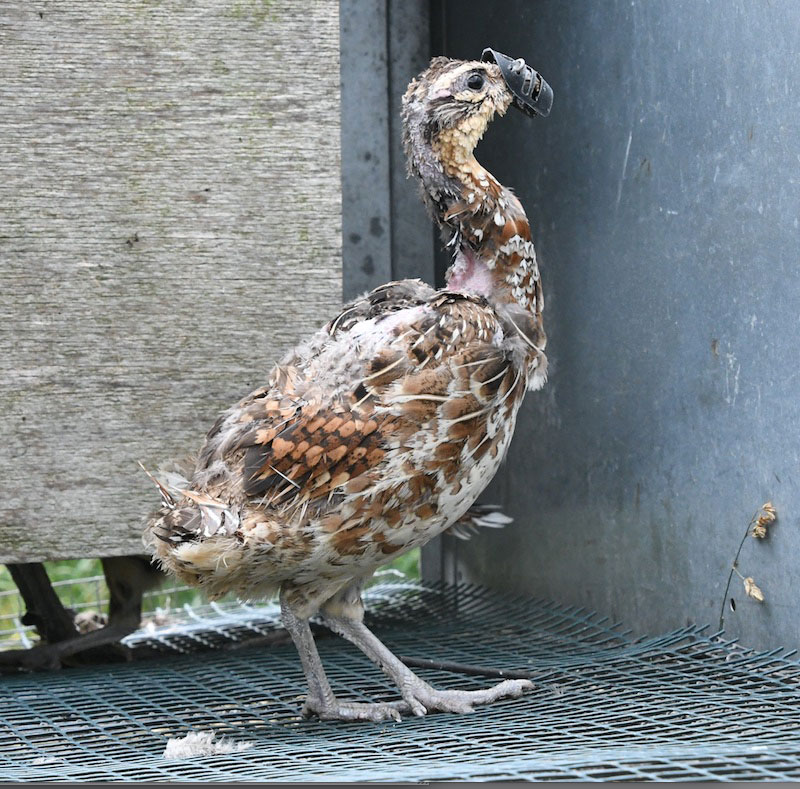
[606,706]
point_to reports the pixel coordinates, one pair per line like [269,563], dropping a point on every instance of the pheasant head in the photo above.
[446,111]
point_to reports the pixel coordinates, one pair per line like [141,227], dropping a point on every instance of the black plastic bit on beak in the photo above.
[532,94]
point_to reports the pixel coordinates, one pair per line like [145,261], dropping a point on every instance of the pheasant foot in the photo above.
[343,613]
[331,709]
[321,701]
[422,698]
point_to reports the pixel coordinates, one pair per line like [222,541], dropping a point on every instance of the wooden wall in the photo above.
[170,221]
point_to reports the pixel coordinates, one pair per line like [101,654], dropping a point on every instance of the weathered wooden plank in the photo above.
[170,220]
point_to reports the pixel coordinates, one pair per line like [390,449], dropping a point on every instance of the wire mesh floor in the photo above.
[606,706]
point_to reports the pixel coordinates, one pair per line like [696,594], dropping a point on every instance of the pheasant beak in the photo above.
[531,93]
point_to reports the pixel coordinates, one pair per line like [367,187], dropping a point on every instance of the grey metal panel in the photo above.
[170,221]
[663,191]
[366,195]
[412,230]
[386,232]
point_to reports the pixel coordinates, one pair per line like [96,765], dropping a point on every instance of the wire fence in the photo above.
[169,607]
[87,597]
[685,705]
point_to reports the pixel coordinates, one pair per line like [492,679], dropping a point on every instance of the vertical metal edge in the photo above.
[366,191]
[408,44]
[434,556]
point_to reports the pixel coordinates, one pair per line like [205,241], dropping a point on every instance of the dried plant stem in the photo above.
[734,570]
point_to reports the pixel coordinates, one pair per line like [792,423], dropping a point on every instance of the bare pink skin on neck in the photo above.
[469,274]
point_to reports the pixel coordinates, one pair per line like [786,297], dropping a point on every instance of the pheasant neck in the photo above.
[488,231]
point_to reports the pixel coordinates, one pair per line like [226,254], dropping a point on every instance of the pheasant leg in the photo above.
[321,700]
[419,696]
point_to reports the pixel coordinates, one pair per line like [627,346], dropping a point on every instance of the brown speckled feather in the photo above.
[372,438]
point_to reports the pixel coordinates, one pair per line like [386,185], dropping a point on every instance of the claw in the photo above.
[416,707]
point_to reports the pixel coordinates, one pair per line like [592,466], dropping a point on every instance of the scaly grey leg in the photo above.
[343,614]
[321,700]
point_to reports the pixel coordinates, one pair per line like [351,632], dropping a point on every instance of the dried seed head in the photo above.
[759,531]
[751,590]
[767,515]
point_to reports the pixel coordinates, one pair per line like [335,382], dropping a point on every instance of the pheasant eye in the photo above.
[475,82]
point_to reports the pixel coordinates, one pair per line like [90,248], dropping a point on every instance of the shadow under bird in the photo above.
[380,430]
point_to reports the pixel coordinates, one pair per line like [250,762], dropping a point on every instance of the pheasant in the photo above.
[379,431]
